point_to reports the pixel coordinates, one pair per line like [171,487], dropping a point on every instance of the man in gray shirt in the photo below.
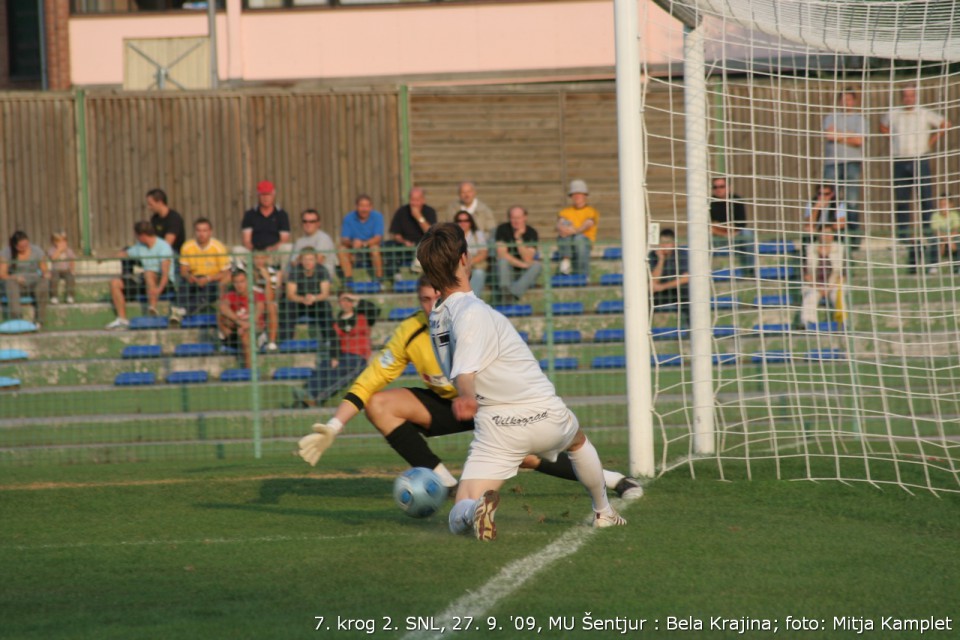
[315,238]
[845,132]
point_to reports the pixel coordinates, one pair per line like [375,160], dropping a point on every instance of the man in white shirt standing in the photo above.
[500,385]
[914,132]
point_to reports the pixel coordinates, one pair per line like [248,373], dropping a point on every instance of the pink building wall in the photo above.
[263,46]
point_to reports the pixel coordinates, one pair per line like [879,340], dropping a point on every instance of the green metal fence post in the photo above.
[404,116]
[83,192]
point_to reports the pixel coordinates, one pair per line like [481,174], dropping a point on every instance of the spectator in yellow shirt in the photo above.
[204,270]
[577,231]
[945,227]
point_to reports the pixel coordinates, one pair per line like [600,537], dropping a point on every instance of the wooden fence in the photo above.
[206,150]
[83,162]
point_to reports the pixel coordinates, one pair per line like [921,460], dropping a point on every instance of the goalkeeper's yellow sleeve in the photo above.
[410,342]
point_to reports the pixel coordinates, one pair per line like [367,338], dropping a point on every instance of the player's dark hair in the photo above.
[157,194]
[439,253]
[200,221]
[668,233]
[423,281]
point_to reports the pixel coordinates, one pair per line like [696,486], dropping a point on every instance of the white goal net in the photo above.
[830,136]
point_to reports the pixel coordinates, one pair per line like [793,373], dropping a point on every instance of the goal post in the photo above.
[822,339]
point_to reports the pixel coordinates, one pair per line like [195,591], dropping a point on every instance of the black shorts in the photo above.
[442,421]
[135,288]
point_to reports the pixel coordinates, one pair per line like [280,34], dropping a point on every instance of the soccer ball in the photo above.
[419,492]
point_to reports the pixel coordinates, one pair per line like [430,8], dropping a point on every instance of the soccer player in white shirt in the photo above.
[500,385]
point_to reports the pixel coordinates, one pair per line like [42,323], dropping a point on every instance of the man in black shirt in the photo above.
[728,223]
[167,223]
[518,257]
[669,275]
[266,227]
[308,294]
[408,225]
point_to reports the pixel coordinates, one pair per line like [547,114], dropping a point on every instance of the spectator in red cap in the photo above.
[266,227]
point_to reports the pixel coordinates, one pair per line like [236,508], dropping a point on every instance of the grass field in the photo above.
[258,549]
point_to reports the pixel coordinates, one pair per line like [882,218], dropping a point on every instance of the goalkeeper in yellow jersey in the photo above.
[405,416]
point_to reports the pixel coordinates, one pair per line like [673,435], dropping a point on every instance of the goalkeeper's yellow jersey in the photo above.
[410,342]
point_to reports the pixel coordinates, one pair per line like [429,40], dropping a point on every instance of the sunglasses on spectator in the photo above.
[463,219]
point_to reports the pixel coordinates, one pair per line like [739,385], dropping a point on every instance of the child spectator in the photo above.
[577,231]
[62,267]
[352,329]
[234,319]
[823,274]
[945,227]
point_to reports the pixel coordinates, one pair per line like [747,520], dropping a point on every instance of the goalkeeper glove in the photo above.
[312,446]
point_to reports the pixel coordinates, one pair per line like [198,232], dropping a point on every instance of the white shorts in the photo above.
[505,435]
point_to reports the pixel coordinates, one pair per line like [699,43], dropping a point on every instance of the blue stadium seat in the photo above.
[666,360]
[723,302]
[771,327]
[669,333]
[609,362]
[525,336]
[776,248]
[12,355]
[200,321]
[135,379]
[187,377]
[567,308]
[826,354]
[195,350]
[724,331]
[560,364]
[824,327]
[365,287]
[610,306]
[7,382]
[409,370]
[515,310]
[613,253]
[17,326]
[401,313]
[773,357]
[298,346]
[777,273]
[724,358]
[611,280]
[141,351]
[560,280]
[235,375]
[566,336]
[405,286]
[23,300]
[775,300]
[725,275]
[148,322]
[293,373]
[609,335]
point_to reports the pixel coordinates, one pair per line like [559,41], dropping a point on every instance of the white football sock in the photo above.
[589,470]
[445,475]
[612,478]
[461,516]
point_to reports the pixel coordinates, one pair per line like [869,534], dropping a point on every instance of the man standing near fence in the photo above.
[914,132]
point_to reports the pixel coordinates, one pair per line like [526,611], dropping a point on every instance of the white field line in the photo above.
[476,604]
